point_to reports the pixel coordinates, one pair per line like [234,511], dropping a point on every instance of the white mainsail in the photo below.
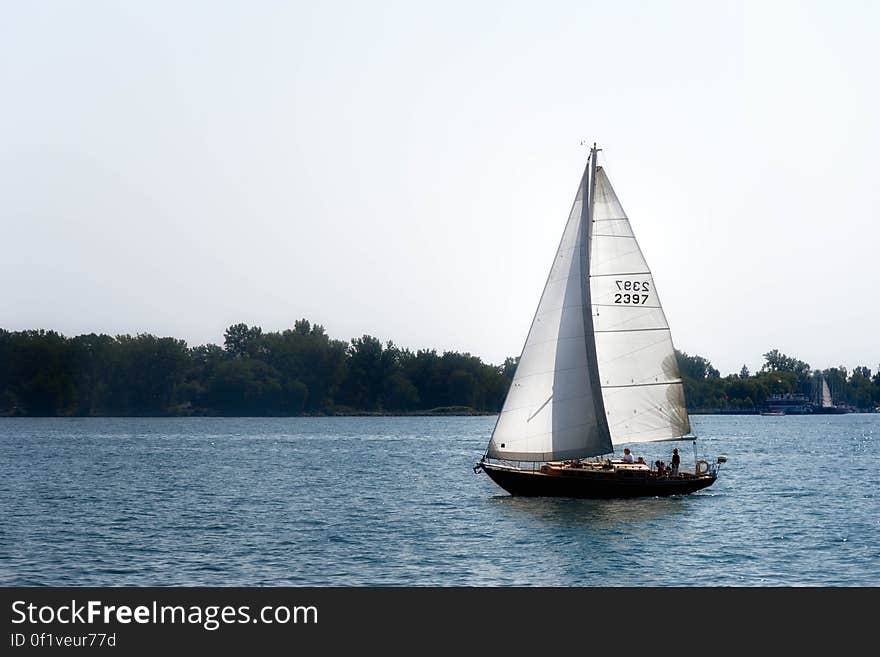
[826,395]
[598,367]
[638,371]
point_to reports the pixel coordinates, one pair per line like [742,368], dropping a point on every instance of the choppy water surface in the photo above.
[393,501]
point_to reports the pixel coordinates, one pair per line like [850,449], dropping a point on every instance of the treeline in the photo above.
[302,371]
[706,390]
[298,371]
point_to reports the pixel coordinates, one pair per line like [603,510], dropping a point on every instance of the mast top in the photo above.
[593,150]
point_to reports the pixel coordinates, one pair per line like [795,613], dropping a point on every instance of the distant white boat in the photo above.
[826,404]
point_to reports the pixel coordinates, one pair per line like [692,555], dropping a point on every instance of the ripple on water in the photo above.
[393,501]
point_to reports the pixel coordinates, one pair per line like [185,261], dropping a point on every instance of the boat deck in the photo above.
[617,467]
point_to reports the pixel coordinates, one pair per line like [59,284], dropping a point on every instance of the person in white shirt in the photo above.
[627,455]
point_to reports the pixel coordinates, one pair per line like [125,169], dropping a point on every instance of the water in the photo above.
[393,501]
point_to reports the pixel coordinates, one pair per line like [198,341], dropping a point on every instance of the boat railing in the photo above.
[703,467]
[516,465]
[715,467]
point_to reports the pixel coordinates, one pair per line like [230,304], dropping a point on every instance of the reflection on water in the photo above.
[596,514]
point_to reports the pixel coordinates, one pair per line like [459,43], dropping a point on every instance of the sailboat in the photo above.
[598,369]
[826,405]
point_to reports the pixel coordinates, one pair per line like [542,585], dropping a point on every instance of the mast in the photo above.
[589,334]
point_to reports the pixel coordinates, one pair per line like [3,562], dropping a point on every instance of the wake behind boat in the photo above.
[598,369]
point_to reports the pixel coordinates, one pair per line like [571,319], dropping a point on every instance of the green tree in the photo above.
[144,372]
[305,354]
[40,374]
[92,355]
[860,388]
[361,388]
[776,361]
[242,341]
[246,387]
[401,394]
[695,367]
[462,389]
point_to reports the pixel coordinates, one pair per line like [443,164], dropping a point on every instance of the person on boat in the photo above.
[641,460]
[627,455]
[676,461]
[661,468]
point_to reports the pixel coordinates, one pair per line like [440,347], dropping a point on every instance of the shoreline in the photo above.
[431,413]
[438,412]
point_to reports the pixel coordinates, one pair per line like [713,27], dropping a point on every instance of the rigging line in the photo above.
[607,361]
[641,385]
[622,255]
[557,338]
[525,439]
[609,196]
[540,408]
[626,237]
[630,330]
[629,273]
[631,318]
[634,351]
[546,311]
[623,305]
[518,379]
[596,221]
[519,408]
[562,369]
[660,408]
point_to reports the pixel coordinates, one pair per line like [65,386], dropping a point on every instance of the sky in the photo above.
[405,169]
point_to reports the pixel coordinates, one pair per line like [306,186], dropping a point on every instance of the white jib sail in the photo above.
[641,386]
[550,412]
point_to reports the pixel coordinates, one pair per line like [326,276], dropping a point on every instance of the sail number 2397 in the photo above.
[634,292]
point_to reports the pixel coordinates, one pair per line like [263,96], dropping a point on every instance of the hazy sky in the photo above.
[405,169]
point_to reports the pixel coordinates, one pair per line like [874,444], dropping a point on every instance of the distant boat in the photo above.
[598,369]
[773,413]
[826,406]
[788,404]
